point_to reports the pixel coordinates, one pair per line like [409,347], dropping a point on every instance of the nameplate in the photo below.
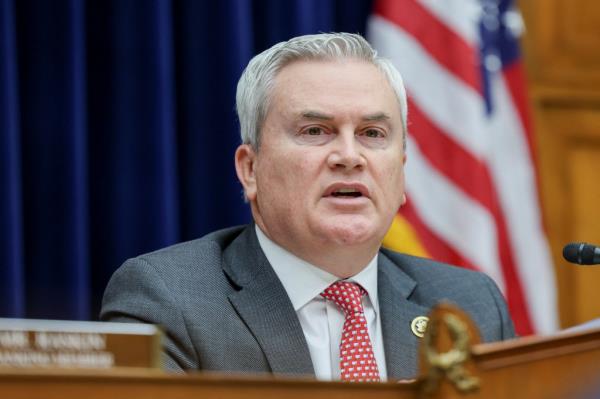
[78,344]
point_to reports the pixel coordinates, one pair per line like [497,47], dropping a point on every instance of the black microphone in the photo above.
[582,253]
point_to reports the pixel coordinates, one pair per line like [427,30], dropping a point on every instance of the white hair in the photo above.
[255,84]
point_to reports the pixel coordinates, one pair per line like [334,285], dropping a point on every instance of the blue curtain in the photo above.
[117,132]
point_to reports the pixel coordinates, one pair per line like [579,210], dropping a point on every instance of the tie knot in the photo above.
[346,295]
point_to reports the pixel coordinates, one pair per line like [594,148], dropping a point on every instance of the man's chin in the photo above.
[351,232]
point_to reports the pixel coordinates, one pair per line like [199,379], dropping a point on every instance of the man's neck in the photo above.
[341,261]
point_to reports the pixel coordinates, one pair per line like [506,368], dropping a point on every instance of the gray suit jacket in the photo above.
[224,308]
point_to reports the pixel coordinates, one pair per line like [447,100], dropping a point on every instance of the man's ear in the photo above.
[245,160]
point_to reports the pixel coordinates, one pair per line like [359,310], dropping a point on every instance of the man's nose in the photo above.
[346,153]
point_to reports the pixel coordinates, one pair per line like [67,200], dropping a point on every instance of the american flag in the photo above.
[470,175]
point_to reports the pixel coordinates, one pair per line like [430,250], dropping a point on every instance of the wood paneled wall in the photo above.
[562,54]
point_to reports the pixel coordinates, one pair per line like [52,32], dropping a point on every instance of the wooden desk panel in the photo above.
[147,384]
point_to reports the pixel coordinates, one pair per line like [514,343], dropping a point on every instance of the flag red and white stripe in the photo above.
[471,178]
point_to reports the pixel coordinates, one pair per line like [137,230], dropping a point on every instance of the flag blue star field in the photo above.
[471,181]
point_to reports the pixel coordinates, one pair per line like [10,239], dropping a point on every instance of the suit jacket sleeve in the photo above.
[137,293]
[507,329]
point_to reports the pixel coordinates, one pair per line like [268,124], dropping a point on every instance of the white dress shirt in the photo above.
[322,321]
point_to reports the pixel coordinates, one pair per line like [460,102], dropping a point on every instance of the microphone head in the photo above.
[579,252]
[570,252]
[588,252]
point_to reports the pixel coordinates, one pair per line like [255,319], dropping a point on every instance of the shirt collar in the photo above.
[304,281]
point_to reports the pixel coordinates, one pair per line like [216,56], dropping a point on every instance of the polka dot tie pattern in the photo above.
[357,360]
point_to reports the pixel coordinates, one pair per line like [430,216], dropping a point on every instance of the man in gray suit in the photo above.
[323,123]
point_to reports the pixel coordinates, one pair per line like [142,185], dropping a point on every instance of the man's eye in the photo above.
[373,133]
[314,135]
[314,131]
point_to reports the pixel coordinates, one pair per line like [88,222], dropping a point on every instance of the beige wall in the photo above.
[562,53]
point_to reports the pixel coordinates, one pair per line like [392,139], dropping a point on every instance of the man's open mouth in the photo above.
[346,192]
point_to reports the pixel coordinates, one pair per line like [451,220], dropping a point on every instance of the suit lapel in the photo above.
[397,313]
[265,307]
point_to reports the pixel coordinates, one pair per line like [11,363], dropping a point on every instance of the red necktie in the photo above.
[357,361]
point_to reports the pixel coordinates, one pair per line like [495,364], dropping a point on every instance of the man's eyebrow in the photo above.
[380,116]
[316,115]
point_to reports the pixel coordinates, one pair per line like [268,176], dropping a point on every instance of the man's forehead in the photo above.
[346,74]
[326,89]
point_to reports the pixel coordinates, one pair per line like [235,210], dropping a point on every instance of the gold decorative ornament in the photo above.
[450,364]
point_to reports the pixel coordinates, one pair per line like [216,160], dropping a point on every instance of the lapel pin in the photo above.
[419,325]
